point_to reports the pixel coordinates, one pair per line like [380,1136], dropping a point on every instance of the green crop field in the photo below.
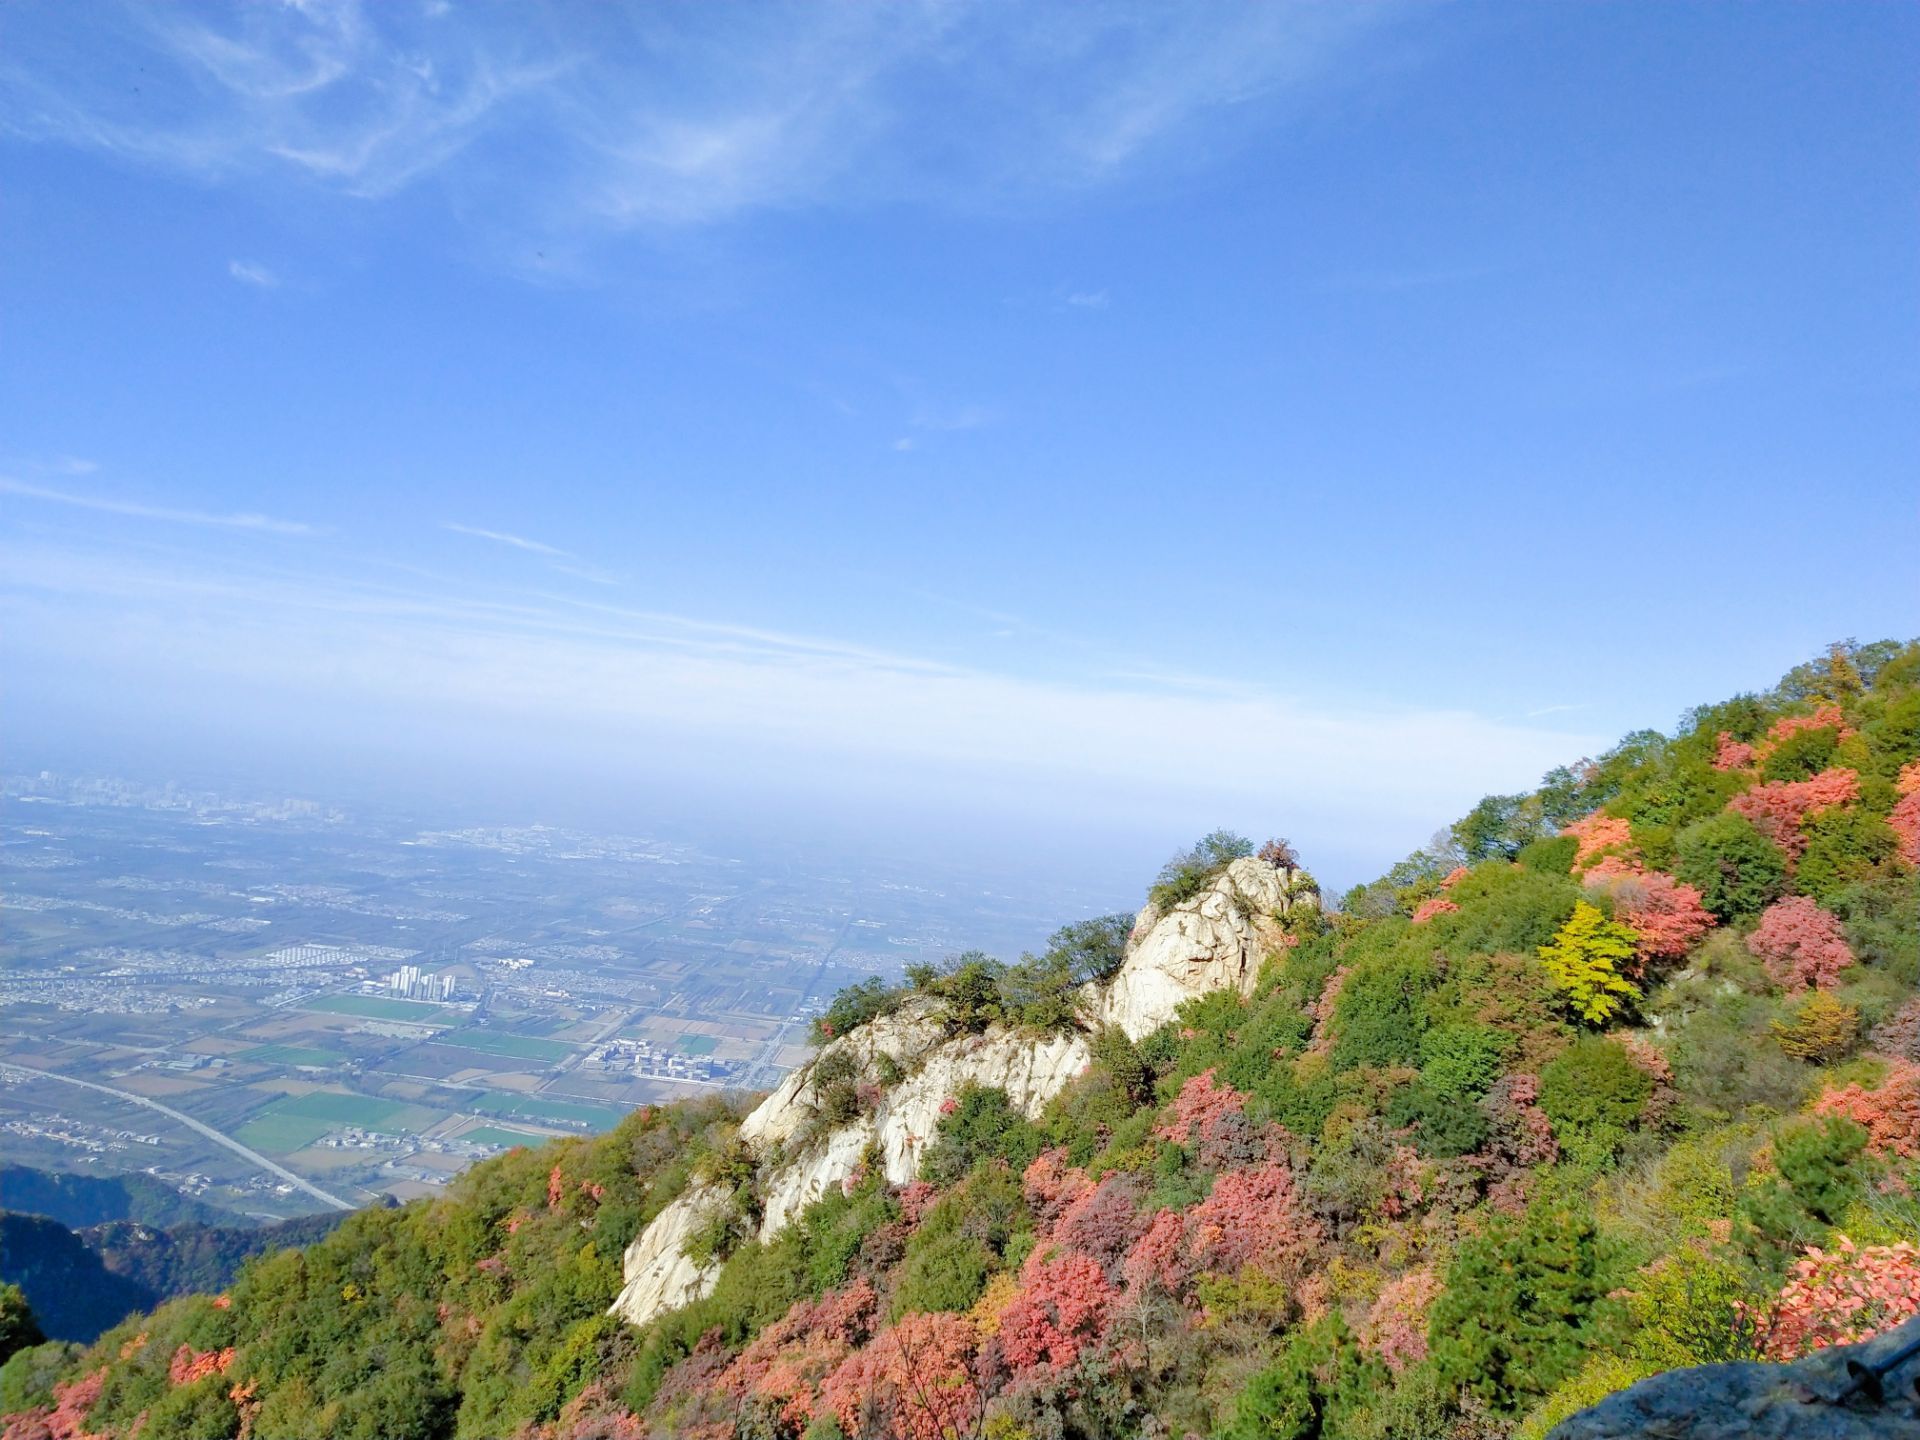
[594,1117]
[494,1135]
[363,1110]
[298,1120]
[278,1134]
[375,1007]
[291,1055]
[698,1044]
[520,1047]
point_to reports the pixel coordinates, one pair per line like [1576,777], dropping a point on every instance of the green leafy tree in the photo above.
[1188,873]
[982,1125]
[1736,869]
[1846,846]
[1519,1308]
[1318,1378]
[1820,1169]
[18,1328]
[1584,962]
[1500,826]
[1593,1089]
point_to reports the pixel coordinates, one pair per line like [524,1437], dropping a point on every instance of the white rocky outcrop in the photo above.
[1215,940]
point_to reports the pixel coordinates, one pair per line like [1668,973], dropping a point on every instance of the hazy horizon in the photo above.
[1015,439]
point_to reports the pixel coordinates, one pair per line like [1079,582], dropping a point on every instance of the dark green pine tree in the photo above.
[1519,1300]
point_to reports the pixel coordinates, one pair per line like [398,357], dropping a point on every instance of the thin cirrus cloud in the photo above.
[565,562]
[167,514]
[247,272]
[757,705]
[501,537]
[663,116]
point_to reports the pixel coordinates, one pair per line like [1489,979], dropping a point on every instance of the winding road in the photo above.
[227,1142]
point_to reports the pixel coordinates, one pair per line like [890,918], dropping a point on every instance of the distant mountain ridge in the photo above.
[109,1246]
[82,1200]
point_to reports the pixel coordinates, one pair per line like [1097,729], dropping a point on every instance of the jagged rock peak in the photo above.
[1754,1401]
[1215,939]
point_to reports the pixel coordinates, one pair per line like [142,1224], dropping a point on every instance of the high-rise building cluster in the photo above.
[410,982]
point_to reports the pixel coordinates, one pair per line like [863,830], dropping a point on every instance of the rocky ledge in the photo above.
[1818,1398]
[1215,940]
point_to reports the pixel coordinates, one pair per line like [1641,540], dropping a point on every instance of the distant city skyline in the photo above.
[1033,434]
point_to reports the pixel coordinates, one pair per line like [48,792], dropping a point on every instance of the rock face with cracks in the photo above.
[1214,940]
[1754,1401]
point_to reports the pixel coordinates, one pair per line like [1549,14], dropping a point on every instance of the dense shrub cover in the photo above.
[1617,1075]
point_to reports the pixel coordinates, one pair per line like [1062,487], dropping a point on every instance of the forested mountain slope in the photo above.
[1616,1076]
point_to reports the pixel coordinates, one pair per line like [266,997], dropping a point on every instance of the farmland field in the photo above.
[298,1120]
[494,1135]
[291,1055]
[375,1007]
[594,1117]
[698,1044]
[518,1047]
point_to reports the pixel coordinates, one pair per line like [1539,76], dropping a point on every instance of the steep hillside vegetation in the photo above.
[1615,1076]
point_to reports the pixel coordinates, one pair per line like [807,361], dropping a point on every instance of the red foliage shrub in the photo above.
[1596,833]
[189,1365]
[1824,717]
[1908,781]
[67,1420]
[786,1362]
[1252,1217]
[1800,944]
[1454,876]
[1396,1326]
[1210,1119]
[916,1198]
[1323,1009]
[556,1188]
[1731,754]
[915,1381]
[1062,1305]
[1663,912]
[1776,808]
[1102,1223]
[1841,1297]
[1201,1101]
[1521,1138]
[1433,905]
[594,1414]
[1648,1056]
[1905,816]
[1051,1184]
[1159,1256]
[1898,1036]
[1890,1114]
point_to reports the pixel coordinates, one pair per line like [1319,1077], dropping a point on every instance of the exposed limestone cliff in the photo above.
[1214,940]
[1766,1402]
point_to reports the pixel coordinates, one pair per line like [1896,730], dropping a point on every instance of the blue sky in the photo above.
[1062,426]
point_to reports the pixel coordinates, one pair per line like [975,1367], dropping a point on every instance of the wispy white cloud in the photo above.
[249,273]
[650,116]
[1089,300]
[501,537]
[602,679]
[563,562]
[139,511]
[1551,710]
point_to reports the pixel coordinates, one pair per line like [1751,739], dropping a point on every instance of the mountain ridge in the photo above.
[1617,1076]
